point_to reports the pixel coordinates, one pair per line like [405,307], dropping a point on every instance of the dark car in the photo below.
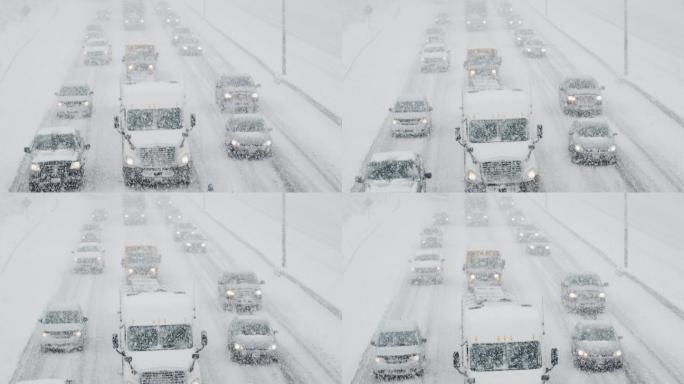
[584,292]
[596,345]
[592,141]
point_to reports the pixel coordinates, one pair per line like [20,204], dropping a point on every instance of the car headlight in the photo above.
[185,159]
[497,276]
[439,268]
[75,165]
[59,103]
[234,143]
[142,20]
[581,353]
[572,295]
[238,346]
[268,143]
[617,353]
[531,173]
[230,293]
[199,47]
[413,269]
[150,67]
[187,244]
[519,38]
[612,148]
[255,95]
[484,21]
[227,95]
[472,176]
[424,120]
[415,358]
[130,271]
[86,103]
[153,269]
[578,148]
[379,360]
[468,22]
[77,333]
[572,98]
[45,334]
[130,67]
[203,245]
[196,381]
[602,295]
[35,167]
[257,292]
[599,98]
[547,247]
[493,71]
[273,347]
[99,258]
[472,277]
[528,49]
[543,49]
[472,72]
[519,21]
[185,48]
[531,246]
[175,37]
[395,121]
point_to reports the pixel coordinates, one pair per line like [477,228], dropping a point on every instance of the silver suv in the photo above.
[237,93]
[399,171]
[240,291]
[583,292]
[411,115]
[580,95]
[251,339]
[398,349]
[592,141]
[248,135]
[74,99]
[63,327]
[596,345]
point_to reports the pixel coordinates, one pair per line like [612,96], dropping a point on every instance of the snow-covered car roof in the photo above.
[88,244]
[152,94]
[489,322]
[496,104]
[411,97]
[58,130]
[251,319]
[594,323]
[246,117]
[434,45]
[427,252]
[397,326]
[62,306]
[585,121]
[157,308]
[393,156]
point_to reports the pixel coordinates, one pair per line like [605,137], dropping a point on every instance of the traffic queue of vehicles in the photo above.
[500,337]
[496,132]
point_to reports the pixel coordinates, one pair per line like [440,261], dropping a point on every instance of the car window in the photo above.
[388,170]
[585,280]
[248,125]
[485,131]
[581,83]
[596,333]
[239,81]
[62,317]
[410,106]
[55,142]
[255,328]
[151,119]
[594,131]
[431,257]
[434,49]
[397,339]
[74,91]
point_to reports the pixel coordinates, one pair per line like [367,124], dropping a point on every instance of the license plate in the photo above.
[55,180]
[156,173]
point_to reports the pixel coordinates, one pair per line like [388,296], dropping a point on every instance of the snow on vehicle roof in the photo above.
[397,326]
[495,322]
[496,104]
[147,308]
[252,318]
[434,45]
[393,156]
[58,130]
[426,252]
[88,244]
[152,94]
[411,97]
[246,116]
[595,323]
[62,306]
[590,120]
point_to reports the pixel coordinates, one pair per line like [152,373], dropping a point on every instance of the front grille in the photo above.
[157,156]
[497,170]
[72,103]
[426,270]
[589,295]
[54,168]
[396,359]
[162,377]
[60,334]
[586,99]
[409,121]
[245,293]
[87,261]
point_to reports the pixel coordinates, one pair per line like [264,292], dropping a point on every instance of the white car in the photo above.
[62,327]
[397,171]
[97,51]
[435,57]
[88,257]
[74,99]
[398,349]
[411,115]
[427,266]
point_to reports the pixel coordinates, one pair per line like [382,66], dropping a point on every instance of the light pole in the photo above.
[625,30]
[284,64]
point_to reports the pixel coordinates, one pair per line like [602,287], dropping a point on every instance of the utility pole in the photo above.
[626,235]
[283,233]
[284,68]
[626,34]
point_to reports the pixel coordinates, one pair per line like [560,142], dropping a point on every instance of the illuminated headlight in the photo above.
[59,103]
[472,277]
[178,233]
[273,347]
[35,167]
[175,37]
[543,49]
[519,21]
[572,295]
[531,173]
[424,120]
[230,293]
[227,95]
[468,22]
[130,271]
[547,247]
[415,358]
[257,292]
[45,334]
[413,269]
[255,95]
[153,269]
[602,295]
[185,159]
[612,148]
[238,347]
[484,21]
[581,353]
[185,48]
[572,98]
[99,259]
[379,360]
[142,20]
[126,216]
[199,47]
[422,59]
[531,246]
[599,98]
[578,148]
[510,22]
[234,143]
[617,353]
[76,259]
[395,121]
[445,58]
[187,244]
[126,21]
[528,49]
[142,215]
[130,67]
[150,67]
[75,165]
[472,72]
[77,333]
[493,71]
[439,268]
[168,20]
[484,216]
[497,276]
[268,143]
[519,38]
[472,176]
[203,245]
[86,103]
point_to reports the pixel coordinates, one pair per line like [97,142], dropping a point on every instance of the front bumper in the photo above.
[473,220]
[442,65]
[194,248]
[244,150]
[476,26]
[97,59]
[538,249]
[190,51]
[586,306]
[534,53]
[66,178]
[62,344]
[89,268]
[138,175]
[74,110]
[583,108]
[237,104]
[598,362]
[421,277]
[522,186]
[594,156]
[408,368]
[254,354]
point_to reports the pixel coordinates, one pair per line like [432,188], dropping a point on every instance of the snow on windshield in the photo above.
[387,170]
[153,338]
[505,356]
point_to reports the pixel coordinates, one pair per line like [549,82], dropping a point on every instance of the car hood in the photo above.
[242,286]
[238,89]
[257,341]
[409,115]
[59,155]
[72,98]
[393,185]
[87,255]
[398,351]
[61,327]
[594,142]
[434,55]
[599,347]
[584,91]
[164,138]
[159,360]
[253,138]
[427,264]
[500,151]
[96,49]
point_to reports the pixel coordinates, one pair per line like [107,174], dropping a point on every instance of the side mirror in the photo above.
[117,125]
[210,188]
[84,319]
[27,149]
[390,109]
[428,175]
[423,340]
[554,357]
[193,120]
[457,132]
[204,338]
[545,377]
[262,282]
[359,179]
[128,359]
[457,360]
[540,131]
[372,342]
[430,109]
[195,356]
[86,147]
[115,341]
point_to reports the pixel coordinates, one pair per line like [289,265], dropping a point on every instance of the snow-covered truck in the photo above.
[155,133]
[141,260]
[498,141]
[158,339]
[503,342]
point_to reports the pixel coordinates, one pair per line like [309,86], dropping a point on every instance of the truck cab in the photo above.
[140,61]
[158,339]
[155,131]
[141,260]
[498,141]
[503,342]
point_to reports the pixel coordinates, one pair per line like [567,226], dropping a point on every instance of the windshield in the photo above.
[248,126]
[594,131]
[397,339]
[596,333]
[243,81]
[54,142]
[254,328]
[581,83]
[434,49]
[388,170]
[153,338]
[426,258]
[487,131]
[484,262]
[505,356]
[74,91]
[139,52]
[585,280]
[482,58]
[410,106]
[247,278]
[88,248]
[62,317]
[97,43]
[151,119]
